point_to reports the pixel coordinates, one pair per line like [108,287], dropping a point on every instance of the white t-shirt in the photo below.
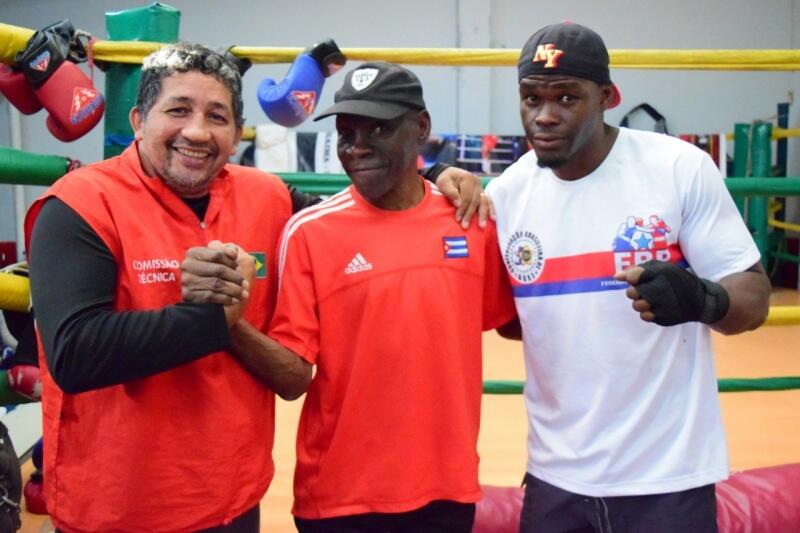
[618,406]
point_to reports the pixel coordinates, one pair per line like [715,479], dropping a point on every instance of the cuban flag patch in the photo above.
[455,247]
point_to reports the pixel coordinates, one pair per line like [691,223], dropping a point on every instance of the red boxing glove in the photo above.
[75,106]
[71,117]
[34,495]
[24,380]
[16,89]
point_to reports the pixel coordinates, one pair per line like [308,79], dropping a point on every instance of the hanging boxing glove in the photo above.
[74,105]
[34,494]
[294,99]
[17,90]
[328,56]
[24,380]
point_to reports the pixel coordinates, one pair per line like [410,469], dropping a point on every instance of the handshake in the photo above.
[221,273]
[45,76]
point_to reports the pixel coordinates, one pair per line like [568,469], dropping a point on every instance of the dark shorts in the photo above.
[441,516]
[548,509]
[247,522]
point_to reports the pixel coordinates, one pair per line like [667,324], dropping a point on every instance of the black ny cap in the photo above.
[377,90]
[567,49]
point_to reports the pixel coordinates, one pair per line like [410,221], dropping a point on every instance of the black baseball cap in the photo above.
[567,49]
[377,90]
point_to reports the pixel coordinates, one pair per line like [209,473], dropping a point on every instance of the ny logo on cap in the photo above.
[363,77]
[549,54]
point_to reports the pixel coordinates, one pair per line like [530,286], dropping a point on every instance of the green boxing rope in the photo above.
[24,168]
[723,385]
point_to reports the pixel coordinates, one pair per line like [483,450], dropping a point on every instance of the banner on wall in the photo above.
[714,144]
[278,149]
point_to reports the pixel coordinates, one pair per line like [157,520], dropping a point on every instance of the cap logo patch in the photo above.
[549,54]
[363,78]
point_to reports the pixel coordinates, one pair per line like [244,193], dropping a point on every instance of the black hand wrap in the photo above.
[676,295]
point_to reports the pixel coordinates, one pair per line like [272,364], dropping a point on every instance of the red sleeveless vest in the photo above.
[185,449]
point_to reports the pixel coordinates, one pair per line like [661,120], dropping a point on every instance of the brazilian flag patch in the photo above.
[261,264]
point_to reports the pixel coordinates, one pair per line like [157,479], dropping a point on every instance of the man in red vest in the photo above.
[150,423]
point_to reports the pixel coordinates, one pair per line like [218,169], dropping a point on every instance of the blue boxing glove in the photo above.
[294,99]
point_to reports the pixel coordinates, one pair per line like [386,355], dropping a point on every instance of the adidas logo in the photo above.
[358,264]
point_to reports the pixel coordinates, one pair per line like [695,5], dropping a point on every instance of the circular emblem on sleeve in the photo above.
[523,256]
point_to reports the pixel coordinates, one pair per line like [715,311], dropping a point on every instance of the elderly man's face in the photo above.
[378,155]
[189,133]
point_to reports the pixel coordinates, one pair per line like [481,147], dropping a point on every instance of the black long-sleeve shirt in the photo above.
[87,344]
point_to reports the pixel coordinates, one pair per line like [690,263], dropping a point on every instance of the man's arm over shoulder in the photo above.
[300,200]
[464,191]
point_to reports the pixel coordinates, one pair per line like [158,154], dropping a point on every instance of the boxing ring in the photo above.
[762,499]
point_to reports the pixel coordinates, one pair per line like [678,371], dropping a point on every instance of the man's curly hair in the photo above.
[186,57]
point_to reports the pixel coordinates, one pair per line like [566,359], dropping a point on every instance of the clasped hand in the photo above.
[220,273]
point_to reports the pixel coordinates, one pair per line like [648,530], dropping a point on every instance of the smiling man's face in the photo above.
[189,133]
[379,155]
